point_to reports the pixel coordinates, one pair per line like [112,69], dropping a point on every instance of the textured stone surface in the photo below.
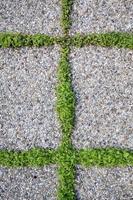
[102,16]
[103,82]
[27,98]
[101,184]
[32,184]
[30,16]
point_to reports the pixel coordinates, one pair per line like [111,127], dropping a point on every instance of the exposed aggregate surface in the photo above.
[91,16]
[102,80]
[31,184]
[30,16]
[101,184]
[27,98]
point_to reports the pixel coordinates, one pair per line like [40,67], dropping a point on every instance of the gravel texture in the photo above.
[103,82]
[27,98]
[28,184]
[102,16]
[104,184]
[30,16]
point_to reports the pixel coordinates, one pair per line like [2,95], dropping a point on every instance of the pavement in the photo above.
[28,79]
[31,16]
[28,183]
[91,16]
[102,80]
[112,184]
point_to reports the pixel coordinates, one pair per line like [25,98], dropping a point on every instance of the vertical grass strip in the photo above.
[65,15]
[65,97]
[66,174]
[66,111]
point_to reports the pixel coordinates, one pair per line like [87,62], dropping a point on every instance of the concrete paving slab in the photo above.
[101,184]
[27,98]
[90,16]
[24,184]
[103,80]
[30,16]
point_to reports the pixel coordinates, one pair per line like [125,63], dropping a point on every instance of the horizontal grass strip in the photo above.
[113,39]
[16,40]
[109,157]
[35,157]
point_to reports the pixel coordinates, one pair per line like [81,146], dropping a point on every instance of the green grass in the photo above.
[66,157]
[65,15]
[16,40]
[66,174]
[66,114]
[108,157]
[65,97]
[35,157]
[114,39]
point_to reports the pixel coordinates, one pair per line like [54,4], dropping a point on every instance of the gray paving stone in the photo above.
[27,98]
[103,82]
[42,16]
[28,184]
[102,16]
[104,184]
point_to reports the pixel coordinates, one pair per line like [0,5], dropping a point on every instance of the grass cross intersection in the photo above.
[66,156]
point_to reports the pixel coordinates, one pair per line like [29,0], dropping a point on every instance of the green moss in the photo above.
[35,157]
[114,39]
[65,15]
[109,157]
